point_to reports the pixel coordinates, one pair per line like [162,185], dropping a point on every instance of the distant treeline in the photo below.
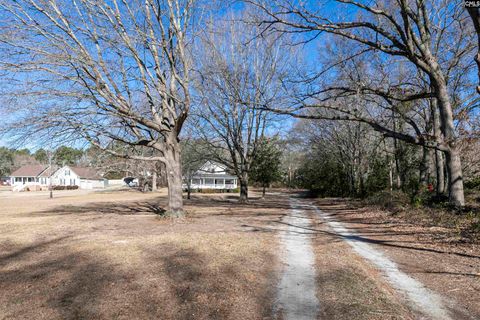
[12,159]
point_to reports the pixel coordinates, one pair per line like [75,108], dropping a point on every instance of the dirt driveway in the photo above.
[108,255]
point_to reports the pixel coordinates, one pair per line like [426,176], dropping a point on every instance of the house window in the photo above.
[67,172]
[219,182]
[229,181]
[195,181]
[30,179]
[209,181]
[18,179]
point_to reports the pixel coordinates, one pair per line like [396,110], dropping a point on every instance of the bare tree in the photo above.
[193,157]
[352,144]
[239,73]
[431,36]
[475,15]
[102,71]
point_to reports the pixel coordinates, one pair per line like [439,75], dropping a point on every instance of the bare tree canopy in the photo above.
[103,71]
[432,37]
[239,73]
[128,76]
[475,15]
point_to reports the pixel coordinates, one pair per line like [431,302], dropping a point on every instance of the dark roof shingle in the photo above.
[87,173]
[29,171]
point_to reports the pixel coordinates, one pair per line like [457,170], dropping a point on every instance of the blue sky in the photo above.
[309,51]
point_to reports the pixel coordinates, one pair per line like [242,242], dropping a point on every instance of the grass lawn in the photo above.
[109,256]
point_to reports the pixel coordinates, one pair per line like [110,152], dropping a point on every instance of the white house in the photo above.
[39,176]
[212,175]
[83,177]
[30,175]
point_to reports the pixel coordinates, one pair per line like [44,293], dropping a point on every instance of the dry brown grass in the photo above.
[426,252]
[348,287]
[109,256]
[458,225]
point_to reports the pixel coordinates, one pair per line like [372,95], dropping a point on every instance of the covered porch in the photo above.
[29,181]
[225,183]
[24,180]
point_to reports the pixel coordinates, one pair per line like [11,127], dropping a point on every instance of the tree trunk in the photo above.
[353,181]
[263,192]
[397,169]
[162,177]
[390,175]
[154,180]
[431,165]
[475,15]
[361,187]
[455,178]
[439,160]
[396,153]
[452,155]
[174,179]
[440,167]
[244,187]
[424,167]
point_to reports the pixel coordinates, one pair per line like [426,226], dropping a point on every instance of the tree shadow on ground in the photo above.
[347,292]
[17,252]
[201,290]
[191,281]
[59,284]
[232,201]
[50,280]
[229,207]
[120,208]
[358,237]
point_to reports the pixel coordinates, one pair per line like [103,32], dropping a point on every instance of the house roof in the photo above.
[29,171]
[49,171]
[212,168]
[87,173]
